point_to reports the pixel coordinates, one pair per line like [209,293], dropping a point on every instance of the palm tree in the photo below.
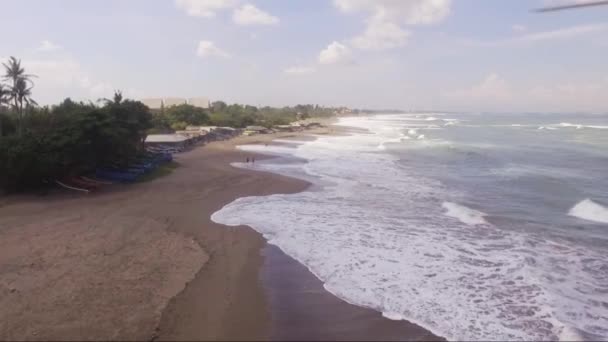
[23,92]
[4,99]
[116,99]
[21,87]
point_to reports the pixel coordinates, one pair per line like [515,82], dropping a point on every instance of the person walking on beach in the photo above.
[253,160]
[247,160]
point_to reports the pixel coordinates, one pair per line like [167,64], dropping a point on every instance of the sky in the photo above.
[460,55]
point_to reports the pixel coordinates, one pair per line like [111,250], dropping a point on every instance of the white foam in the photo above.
[590,211]
[580,126]
[569,334]
[377,236]
[412,132]
[421,136]
[393,316]
[465,215]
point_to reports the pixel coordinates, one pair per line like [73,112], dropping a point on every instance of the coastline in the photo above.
[191,279]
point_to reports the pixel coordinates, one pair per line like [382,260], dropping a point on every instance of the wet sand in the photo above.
[302,310]
[145,262]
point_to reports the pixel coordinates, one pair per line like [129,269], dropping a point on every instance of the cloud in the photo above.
[411,12]
[491,88]
[299,70]
[565,33]
[519,28]
[204,8]
[381,35]
[207,48]
[495,93]
[47,45]
[335,53]
[383,29]
[60,78]
[250,15]
[544,36]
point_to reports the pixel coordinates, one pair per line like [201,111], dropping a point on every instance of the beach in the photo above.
[144,261]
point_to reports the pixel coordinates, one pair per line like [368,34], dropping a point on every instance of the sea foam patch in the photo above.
[379,236]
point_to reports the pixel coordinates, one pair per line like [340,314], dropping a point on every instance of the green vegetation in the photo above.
[41,144]
[177,118]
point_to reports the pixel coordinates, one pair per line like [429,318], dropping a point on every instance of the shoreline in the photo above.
[145,261]
[304,301]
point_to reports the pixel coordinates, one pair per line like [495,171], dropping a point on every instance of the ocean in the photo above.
[473,226]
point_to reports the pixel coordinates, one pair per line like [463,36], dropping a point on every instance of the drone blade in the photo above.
[579,5]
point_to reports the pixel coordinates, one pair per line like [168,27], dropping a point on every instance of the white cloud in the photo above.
[519,28]
[495,93]
[412,12]
[545,36]
[207,48]
[250,15]
[299,70]
[60,78]
[491,88]
[381,35]
[204,8]
[47,45]
[565,33]
[335,53]
[385,16]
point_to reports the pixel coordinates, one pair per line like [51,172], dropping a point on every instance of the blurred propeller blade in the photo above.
[572,6]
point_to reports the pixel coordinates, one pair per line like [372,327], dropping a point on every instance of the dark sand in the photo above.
[144,262]
[301,309]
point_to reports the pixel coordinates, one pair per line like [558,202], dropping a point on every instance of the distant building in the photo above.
[173,140]
[158,102]
[153,103]
[201,102]
[252,130]
[173,101]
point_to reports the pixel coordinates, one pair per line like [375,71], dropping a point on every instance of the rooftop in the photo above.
[165,138]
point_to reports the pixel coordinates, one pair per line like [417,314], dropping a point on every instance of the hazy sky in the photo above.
[434,54]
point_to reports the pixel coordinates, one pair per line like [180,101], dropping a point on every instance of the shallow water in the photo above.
[472,226]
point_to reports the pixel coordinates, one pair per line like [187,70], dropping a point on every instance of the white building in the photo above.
[158,102]
[173,101]
[153,103]
[201,102]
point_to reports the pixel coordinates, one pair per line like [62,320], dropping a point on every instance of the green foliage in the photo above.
[72,138]
[186,113]
[177,118]
[20,89]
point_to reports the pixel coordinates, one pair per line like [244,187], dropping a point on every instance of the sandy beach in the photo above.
[145,262]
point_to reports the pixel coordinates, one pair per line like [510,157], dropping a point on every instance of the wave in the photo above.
[580,126]
[590,211]
[463,214]
[374,233]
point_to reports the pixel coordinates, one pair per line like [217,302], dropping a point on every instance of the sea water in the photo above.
[474,226]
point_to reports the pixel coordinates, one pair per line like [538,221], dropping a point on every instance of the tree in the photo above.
[116,99]
[187,113]
[218,106]
[21,88]
[4,100]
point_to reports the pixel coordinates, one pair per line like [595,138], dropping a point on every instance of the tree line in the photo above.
[176,118]
[41,144]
